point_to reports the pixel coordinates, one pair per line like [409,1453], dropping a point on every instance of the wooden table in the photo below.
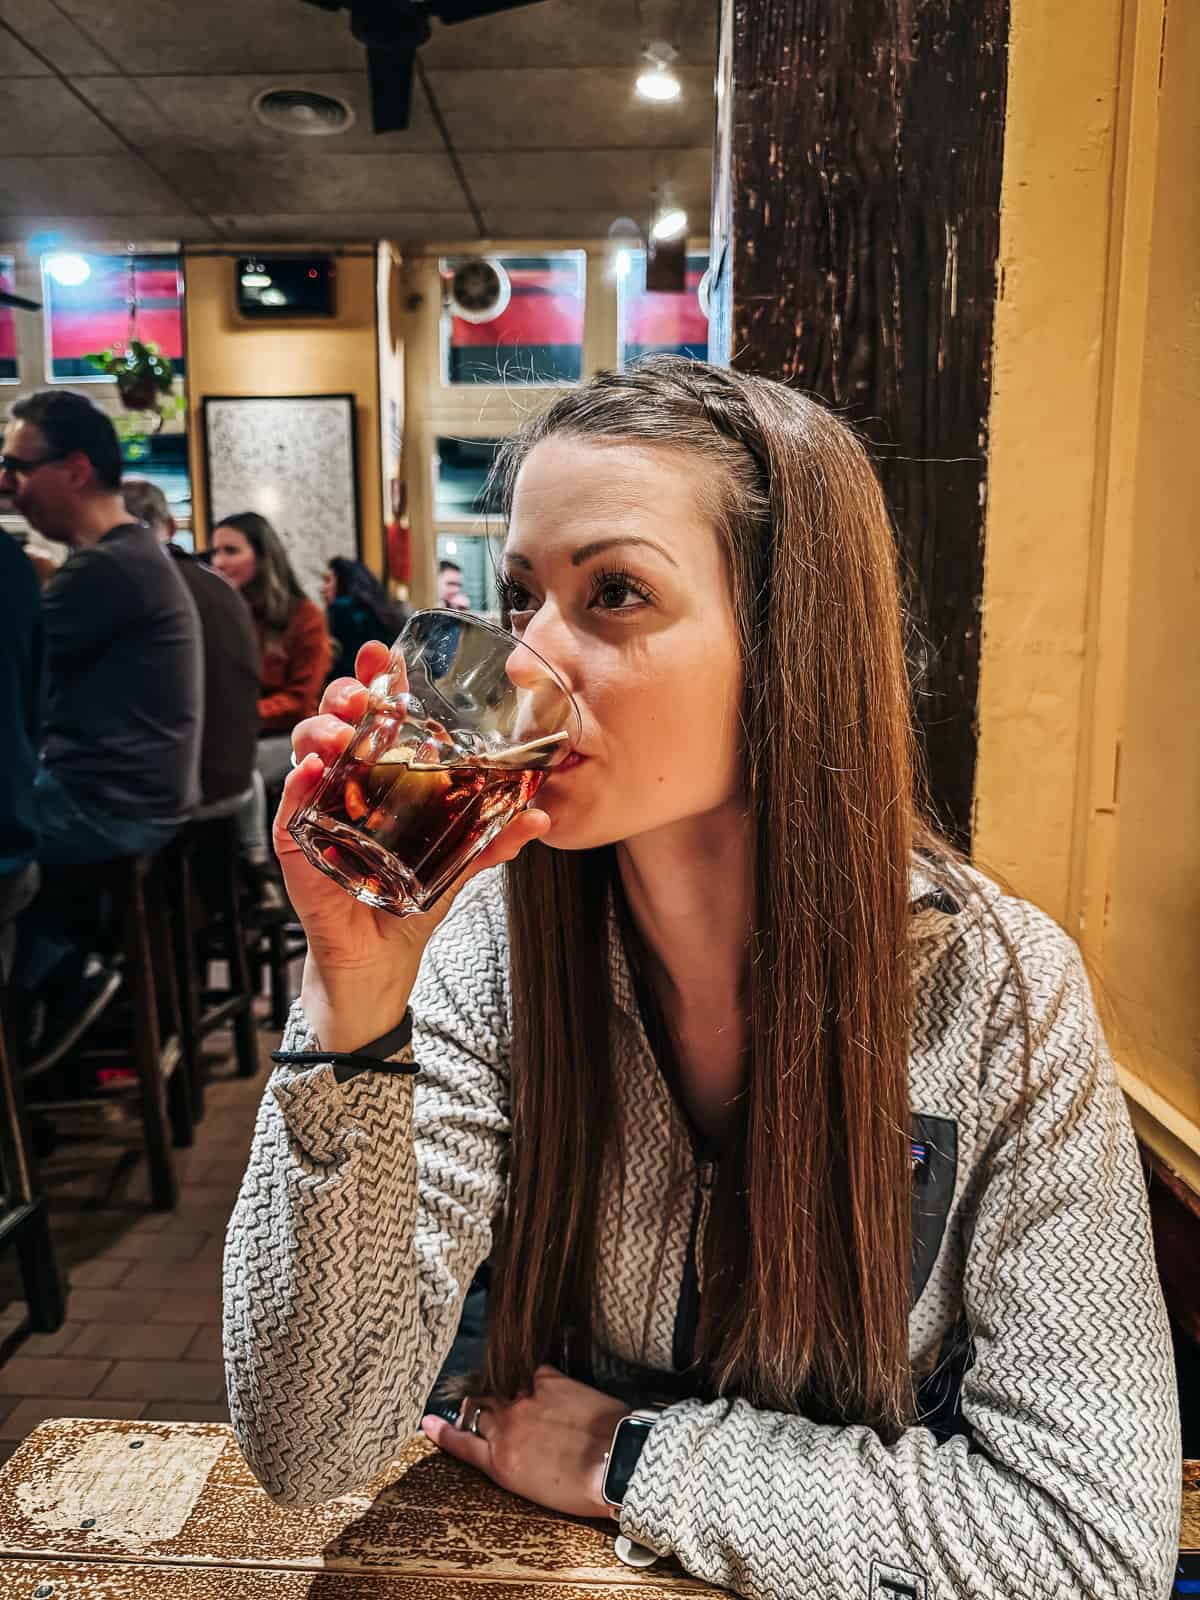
[170,1511]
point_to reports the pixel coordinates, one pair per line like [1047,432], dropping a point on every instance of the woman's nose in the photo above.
[547,633]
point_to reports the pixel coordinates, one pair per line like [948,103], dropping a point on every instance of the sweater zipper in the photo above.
[687,1314]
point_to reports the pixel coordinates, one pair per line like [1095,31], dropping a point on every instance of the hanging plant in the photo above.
[144,375]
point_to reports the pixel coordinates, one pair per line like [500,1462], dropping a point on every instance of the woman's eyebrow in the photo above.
[587,551]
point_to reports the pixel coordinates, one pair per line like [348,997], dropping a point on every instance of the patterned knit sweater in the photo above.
[367,1207]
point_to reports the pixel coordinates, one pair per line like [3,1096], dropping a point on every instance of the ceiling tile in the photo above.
[519,222]
[560,108]
[84,185]
[578,33]
[113,231]
[16,61]
[315,227]
[551,33]
[189,36]
[43,117]
[619,181]
[319,184]
[42,25]
[216,113]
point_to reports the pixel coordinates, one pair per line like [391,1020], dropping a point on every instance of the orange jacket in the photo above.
[292,669]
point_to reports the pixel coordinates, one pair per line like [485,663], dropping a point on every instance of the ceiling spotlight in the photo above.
[256,280]
[657,81]
[669,224]
[68,269]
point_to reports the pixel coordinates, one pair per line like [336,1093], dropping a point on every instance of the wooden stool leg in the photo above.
[280,999]
[183,945]
[139,975]
[39,1271]
[172,1056]
[31,1234]
[244,1033]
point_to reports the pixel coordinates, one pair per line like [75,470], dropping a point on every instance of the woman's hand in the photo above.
[548,1446]
[362,963]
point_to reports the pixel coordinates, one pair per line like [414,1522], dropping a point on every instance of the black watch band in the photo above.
[620,1464]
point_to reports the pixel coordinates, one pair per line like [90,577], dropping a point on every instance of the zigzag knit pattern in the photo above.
[367,1207]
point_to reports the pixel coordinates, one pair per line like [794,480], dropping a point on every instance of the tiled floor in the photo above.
[142,1335]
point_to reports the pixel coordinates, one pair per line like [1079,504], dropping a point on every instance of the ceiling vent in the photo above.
[480,289]
[302,111]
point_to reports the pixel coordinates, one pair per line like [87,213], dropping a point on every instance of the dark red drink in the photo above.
[396,835]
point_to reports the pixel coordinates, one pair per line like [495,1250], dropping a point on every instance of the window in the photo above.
[90,315]
[478,560]
[461,468]
[660,324]
[536,338]
[163,459]
[8,324]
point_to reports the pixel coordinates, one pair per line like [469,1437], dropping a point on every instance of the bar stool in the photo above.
[23,1214]
[285,942]
[201,867]
[134,886]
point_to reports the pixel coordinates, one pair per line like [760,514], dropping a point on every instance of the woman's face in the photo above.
[233,556]
[612,571]
[328,587]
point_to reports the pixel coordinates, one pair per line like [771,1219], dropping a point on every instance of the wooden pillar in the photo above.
[855,239]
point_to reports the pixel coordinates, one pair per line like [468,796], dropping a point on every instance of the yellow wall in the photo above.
[229,356]
[1089,759]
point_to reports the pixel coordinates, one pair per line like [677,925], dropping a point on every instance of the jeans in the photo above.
[58,929]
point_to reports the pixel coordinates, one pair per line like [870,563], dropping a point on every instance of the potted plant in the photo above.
[144,376]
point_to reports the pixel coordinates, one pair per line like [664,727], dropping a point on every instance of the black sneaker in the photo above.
[67,1023]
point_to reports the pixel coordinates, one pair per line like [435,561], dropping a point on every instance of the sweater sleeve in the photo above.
[1069,1486]
[364,1212]
[308,655]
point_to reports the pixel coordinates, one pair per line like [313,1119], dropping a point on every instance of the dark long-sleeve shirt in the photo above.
[21,648]
[230,739]
[126,679]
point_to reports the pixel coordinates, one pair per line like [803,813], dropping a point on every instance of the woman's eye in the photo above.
[616,591]
[515,599]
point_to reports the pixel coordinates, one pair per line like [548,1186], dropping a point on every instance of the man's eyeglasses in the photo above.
[19,468]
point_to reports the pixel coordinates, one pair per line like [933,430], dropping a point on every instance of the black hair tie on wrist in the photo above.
[371,1057]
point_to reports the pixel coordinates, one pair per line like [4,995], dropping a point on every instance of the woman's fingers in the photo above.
[298,789]
[507,844]
[325,736]
[469,1447]
[372,659]
[345,698]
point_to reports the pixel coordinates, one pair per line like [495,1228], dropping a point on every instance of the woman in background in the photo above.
[294,651]
[357,608]
[294,646]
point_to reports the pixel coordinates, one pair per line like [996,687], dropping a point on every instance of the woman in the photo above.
[293,645]
[357,609]
[761,1103]
[294,653]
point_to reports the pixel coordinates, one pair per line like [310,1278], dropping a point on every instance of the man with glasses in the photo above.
[119,768]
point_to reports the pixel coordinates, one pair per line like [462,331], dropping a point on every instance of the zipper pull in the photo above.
[704,1175]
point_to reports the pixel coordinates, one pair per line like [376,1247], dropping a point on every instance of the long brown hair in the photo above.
[808,1249]
[274,591]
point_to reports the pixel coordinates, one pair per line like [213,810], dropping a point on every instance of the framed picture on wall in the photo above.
[293,460]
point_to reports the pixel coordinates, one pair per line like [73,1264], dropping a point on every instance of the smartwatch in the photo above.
[628,1440]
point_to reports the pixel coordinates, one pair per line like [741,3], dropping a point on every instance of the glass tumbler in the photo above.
[460,732]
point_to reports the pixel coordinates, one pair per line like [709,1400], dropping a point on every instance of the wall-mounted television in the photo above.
[285,286]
